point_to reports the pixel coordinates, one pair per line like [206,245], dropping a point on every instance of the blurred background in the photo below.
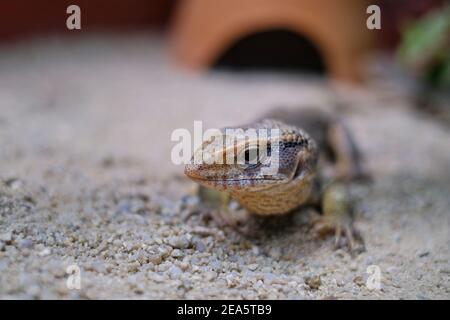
[291,36]
[164,56]
[86,118]
[300,32]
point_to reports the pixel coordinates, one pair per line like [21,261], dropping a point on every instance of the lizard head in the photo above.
[253,157]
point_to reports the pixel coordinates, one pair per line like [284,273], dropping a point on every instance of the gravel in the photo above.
[87,181]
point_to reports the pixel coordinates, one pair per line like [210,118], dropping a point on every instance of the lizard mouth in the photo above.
[223,180]
[255,179]
[206,180]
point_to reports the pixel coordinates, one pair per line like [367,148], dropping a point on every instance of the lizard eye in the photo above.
[251,158]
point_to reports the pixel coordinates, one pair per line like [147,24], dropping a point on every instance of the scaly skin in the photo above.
[298,181]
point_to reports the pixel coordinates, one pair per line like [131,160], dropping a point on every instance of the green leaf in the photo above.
[425,38]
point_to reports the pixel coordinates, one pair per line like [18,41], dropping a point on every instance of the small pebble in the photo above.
[252,266]
[25,244]
[177,253]
[359,281]
[216,265]
[210,275]
[14,183]
[203,231]
[255,250]
[155,258]
[275,253]
[232,280]
[133,266]
[179,242]
[174,272]
[199,245]
[269,278]
[314,282]
[6,237]
[423,254]
[156,277]
[45,252]
[184,266]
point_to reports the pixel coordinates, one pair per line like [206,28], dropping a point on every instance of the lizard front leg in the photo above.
[338,214]
[217,206]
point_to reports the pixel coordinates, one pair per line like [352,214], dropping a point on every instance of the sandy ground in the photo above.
[86,179]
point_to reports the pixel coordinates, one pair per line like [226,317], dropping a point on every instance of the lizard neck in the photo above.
[278,199]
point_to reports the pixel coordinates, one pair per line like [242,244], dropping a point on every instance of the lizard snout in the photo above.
[192,171]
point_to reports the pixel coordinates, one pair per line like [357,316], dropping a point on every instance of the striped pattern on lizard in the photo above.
[309,141]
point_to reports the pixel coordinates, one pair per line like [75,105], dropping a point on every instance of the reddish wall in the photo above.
[19,18]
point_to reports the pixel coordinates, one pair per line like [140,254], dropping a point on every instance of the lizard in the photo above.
[309,141]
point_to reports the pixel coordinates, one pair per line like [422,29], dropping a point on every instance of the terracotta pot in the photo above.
[203,29]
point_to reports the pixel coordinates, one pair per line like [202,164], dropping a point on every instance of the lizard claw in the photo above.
[353,238]
[344,234]
[337,210]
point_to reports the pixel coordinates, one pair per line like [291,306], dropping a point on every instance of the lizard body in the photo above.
[299,180]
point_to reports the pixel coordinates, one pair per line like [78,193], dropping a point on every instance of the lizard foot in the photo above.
[345,234]
[338,217]
[218,207]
